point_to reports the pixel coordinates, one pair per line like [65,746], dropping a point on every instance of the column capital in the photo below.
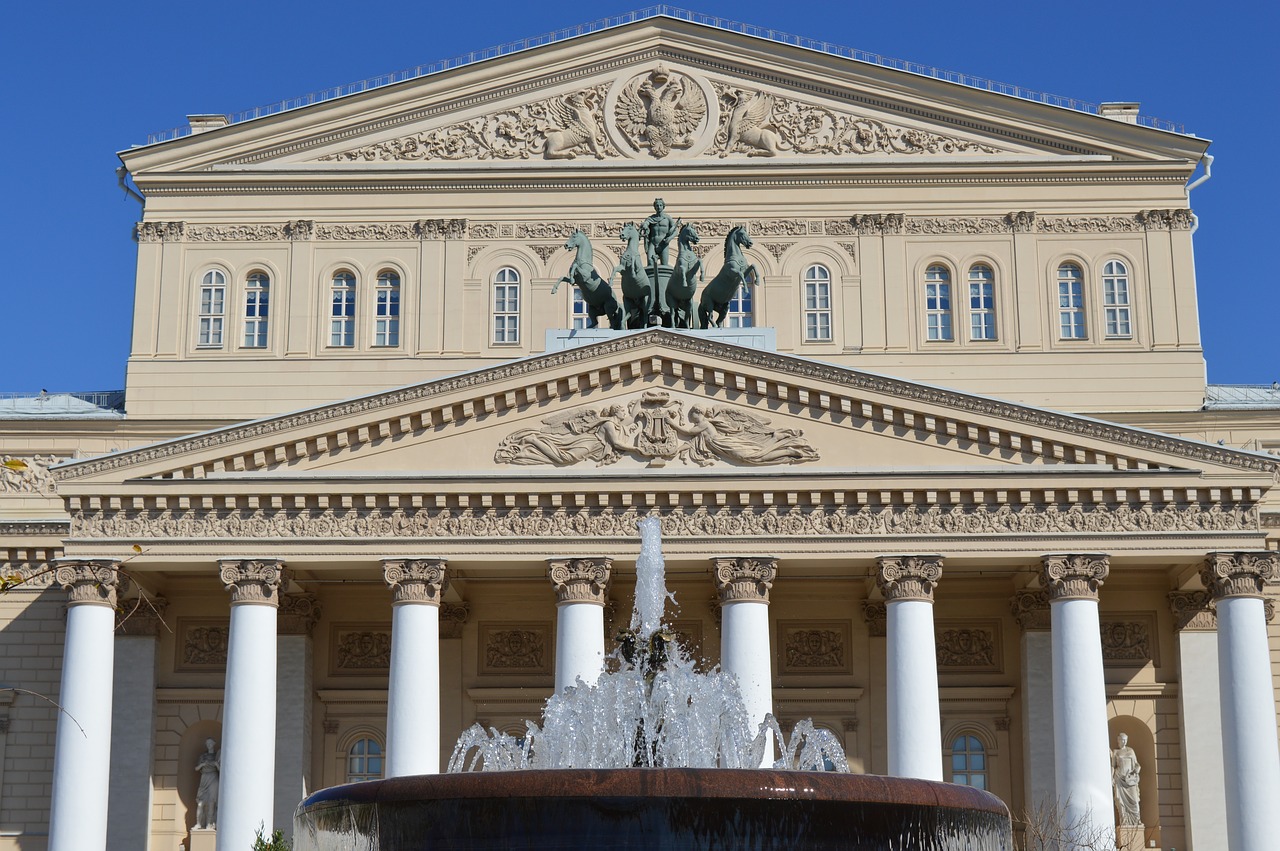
[253,580]
[415,580]
[90,581]
[1193,611]
[1030,608]
[142,616]
[876,614]
[1240,574]
[745,579]
[908,577]
[580,580]
[1073,576]
[298,614]
[453,617]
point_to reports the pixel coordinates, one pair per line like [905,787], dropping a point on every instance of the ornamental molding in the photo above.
[956,224]
[141,616]
[418,580]
[253,580]
[34,528]
[695,350]
[236,233]
[453,617]
[744,579]
[657,429]
[202,644]
[90,581]
[298,614]
[814,647]
[1073,576]
[28,474]
[1239,574]
[515,648]
[908,577]
[300,230]
[580,580]
[969,646]
[1128,640]
[361,649]
[678,522]
[876,615]
[1193,611]
[1030,608]
[160,231]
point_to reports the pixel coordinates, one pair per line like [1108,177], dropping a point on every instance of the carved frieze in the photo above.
[748,578]
[955,224]
[1088,224]
[160,231]
[90,581]
[1239,574]
[236,233]
[654,427]
[1021,221]
[380,231]
[660,111]
[680,522]
[1074,576]
[300,230]
[1193,610]
[1180,219]
[252,580]
[441,228]
[880,224]
[415,580]
[969,646]
[908,577]
[142,615]
[814,647]
[515,648]
[201,644]
[1128,640]
[360,649]
[580,580]
[27,474]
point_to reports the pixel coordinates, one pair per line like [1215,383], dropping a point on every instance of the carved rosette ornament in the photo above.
[1193,611]
[580,580]
[1030,608]
[253,580]
[1238,574]
[1074,576]
[745,579]
[90,581]
[908,577]
[415,580]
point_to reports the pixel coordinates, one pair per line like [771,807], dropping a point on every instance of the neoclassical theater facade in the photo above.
[375,480]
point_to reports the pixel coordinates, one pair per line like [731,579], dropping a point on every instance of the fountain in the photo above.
[654,755]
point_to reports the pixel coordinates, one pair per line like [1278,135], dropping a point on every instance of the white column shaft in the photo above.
[82,750]
[1082,752]
[745,653]
[246,787]
[1250,754]
[413,700]
[579,643]
[914,722]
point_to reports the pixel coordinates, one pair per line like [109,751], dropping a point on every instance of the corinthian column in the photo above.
[82,747]
[413,700]
[1250,755]
[581,585]
[914,723]
[743,584]
[246,793]
[1082,754]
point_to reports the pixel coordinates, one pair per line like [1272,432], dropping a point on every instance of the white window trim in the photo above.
[389,324]
[213,280]
[1108,305]
[260,317]
[1082,310]
[943,319]
[818,312]
[992,312]
[348,321]
[507,283]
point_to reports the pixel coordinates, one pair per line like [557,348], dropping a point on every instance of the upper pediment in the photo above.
[653,92]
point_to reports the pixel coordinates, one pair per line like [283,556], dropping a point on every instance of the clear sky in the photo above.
[86,79]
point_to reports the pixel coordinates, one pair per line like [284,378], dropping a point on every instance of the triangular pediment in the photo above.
[658,91]
[660,401]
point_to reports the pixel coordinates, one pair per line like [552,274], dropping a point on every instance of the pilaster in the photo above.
[1200,710]
[1030,608]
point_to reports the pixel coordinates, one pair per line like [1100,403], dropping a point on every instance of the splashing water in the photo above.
[655,711]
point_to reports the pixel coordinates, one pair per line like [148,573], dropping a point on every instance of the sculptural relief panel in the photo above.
[515,648]
[359,649]
[1129,639]
[970,646]
[201,644]
[814,647]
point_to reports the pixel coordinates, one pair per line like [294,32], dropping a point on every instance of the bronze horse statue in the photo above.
[596,292]
[735,272]
[637,289]
[685,277]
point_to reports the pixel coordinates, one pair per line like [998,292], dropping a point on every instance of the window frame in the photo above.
[966,754]
[366,740]
[211,323]
[1078,310]
[741,312]
[939,301]
[388,304]
[257,311]
[990,311]
[1110,284]
[505,290]
[813,316]
[350,302]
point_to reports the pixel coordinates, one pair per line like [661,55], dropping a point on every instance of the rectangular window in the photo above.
[982,304]
[581,317]
[211,315]
[256,310]
[506,313]
[1115,305]
[342,313]
[386,326]
[1070,303]
[817,311]
[938,310]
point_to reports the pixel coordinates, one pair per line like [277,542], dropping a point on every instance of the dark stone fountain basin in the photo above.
[656,808]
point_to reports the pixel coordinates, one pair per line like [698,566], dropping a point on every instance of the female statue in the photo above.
[209,767]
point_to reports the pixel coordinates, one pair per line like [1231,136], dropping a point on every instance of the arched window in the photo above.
[213,296]
[364,761]
[342,313]
[386,325]
[982,302]
[506,306]
[257,306]
[817,303]
[1071,302]
[1115,299]
[968,762]
[937,302]
[740,313]
[579,316]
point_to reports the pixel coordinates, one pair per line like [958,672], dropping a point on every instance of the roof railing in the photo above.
[664,11]
[112,400]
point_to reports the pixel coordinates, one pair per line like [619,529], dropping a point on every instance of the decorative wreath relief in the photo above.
[656,428]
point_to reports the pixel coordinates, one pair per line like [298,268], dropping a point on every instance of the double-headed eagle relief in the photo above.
[656,428]
[661,111]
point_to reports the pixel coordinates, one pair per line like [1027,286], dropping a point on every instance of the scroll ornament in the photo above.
[655,428]
[1238,574]
[94,581]
[415,580]
[253,580]
[1074,577]
[580,580]
[749,579]
[909,577]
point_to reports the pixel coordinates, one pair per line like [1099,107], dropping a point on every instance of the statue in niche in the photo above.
[209,767]
[1125,774]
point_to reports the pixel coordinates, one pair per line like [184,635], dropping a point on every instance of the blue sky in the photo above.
[83,80]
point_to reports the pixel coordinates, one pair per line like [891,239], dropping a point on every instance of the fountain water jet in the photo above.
[653,755]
